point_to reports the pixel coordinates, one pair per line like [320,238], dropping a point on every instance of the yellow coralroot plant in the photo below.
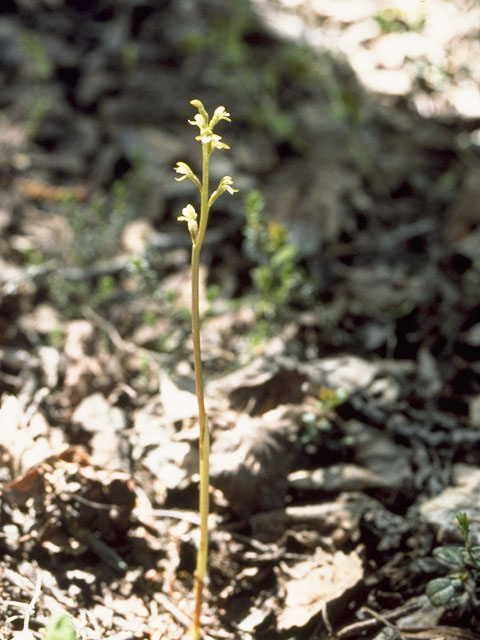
[197,226]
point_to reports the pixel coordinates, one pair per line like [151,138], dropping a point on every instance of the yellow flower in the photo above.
[201,120]
[219,114]
[185,170]
[190,217]
[225,184]
[189,213]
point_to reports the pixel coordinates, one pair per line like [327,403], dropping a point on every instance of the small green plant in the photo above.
[197,226]
[318,426]
[37,56]
[463,562]
[392,20]
[60,627]
[38,108]
[96,228]
[56,337]
[278,278]
[328,398]
[37,102]
[98,223]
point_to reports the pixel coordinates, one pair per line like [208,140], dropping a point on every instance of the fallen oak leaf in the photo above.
[250,462]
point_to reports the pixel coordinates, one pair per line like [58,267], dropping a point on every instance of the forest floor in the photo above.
[340,319]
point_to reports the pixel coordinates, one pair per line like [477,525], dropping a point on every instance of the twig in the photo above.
[384,621]
[179,616]
[354,629]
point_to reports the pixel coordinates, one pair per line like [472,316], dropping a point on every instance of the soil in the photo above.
[340,331]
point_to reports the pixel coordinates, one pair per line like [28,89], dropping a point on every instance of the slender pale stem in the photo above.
[204,435]
[210,142]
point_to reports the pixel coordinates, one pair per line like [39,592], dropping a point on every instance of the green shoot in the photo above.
[463,522]
[60,627]
[210,142]
[278,278]
[463,563]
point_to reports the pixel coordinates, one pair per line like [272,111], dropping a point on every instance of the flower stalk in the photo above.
[197,227]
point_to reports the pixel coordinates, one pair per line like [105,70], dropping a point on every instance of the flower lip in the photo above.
[184,169]
[227,183]
[199,121]
[188,214]
[220,114]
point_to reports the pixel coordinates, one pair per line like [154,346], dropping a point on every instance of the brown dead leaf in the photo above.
[261,385]
[104,423]
[68,490]
[313,584]
[81,368]
[251,461]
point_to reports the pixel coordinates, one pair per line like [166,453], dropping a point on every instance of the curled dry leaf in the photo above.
[250,463]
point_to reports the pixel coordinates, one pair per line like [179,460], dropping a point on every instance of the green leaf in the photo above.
[451,555]
[60,627]
[474,559]
[441,590]
[284,255]
[476,554]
